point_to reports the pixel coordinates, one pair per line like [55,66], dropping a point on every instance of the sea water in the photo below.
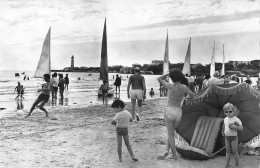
[83,89]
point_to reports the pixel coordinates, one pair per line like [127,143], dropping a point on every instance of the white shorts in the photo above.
[136,94]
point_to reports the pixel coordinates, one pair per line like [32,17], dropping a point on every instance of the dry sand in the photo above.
[81,137]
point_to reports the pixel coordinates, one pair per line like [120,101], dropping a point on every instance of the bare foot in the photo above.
[172,157]
[134,159]
[163,156]
[120,160]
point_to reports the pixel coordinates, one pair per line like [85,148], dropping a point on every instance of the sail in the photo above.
[166,57]
[223,64]
[186,66]
[44,64]
[212,64]
[103,63]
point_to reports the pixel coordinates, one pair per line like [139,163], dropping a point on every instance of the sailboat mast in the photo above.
[166,56]
[212,65]
[50,53]
[186,66]
[223,65]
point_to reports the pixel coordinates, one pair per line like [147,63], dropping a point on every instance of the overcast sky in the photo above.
[136,31]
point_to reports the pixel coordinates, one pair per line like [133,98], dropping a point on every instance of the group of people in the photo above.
[51,85]
[177,93]
[199,82]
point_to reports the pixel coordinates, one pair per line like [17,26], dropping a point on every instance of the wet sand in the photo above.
[82,136]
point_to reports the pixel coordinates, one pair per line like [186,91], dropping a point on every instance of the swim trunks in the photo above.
[122,131]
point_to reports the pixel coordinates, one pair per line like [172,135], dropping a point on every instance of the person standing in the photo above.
[121,121]
[61,86]
[117,83]
[232,124]
[205,83]
[248,81]
[20,90]
[67,82]
[172,110]
[138,92]
[54,84]
[43,97]
[214,80]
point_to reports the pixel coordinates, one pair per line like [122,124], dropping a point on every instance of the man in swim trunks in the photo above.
[138,91]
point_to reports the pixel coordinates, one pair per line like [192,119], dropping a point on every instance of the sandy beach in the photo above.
[81,136]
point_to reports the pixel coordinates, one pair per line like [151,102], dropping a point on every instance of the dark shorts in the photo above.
[55,88]
[104,91]
[122,131]
[231,138]
[43,97]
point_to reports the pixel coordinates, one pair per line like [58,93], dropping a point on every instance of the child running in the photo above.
[231,125]
[43,97]
[20,90]
[121,121]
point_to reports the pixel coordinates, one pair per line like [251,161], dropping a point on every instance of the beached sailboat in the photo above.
[104,63]
[212,64]
[186,66]
[44,64]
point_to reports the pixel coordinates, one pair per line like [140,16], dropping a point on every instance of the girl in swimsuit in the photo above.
[173,111]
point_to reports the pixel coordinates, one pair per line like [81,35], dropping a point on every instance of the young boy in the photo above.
[43,97]
[231,125]
[104,89]
[121,121]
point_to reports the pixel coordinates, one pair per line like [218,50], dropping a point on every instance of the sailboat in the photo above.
[104,64]
[223,64]
[44,64]
[163,91]
[186,66]
[212,64]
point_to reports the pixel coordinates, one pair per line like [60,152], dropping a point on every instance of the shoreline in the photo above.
[82,136]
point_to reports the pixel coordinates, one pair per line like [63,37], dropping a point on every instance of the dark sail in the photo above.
[103,63]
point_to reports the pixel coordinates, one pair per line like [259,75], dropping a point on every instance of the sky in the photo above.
[136,31]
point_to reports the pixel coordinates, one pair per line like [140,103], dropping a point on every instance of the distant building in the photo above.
[72,62]
[157,62]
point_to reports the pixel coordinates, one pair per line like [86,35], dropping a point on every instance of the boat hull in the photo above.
[111,91]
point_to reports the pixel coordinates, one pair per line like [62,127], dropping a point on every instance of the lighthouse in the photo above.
[72,62]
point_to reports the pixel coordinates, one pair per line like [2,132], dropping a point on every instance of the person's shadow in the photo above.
[20,105]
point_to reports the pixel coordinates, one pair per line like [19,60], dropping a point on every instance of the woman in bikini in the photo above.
[173,111]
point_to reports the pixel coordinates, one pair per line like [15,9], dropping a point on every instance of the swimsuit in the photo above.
[173,113]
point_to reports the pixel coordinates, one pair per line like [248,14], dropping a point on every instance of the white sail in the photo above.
[186,66]
[212,64]
[166,57]
[223,64]
[44,64]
